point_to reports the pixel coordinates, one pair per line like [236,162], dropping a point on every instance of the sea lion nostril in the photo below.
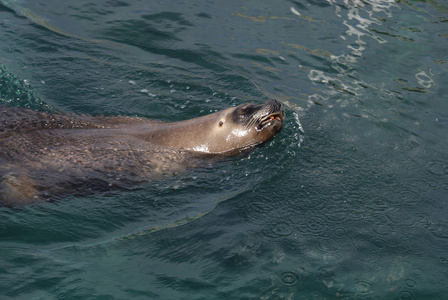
[274,104]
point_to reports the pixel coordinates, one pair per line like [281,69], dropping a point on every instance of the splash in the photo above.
[299,136]
[17,92]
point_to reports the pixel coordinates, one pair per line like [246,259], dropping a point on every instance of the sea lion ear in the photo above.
[221,122]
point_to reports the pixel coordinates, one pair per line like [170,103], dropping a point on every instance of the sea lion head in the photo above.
[226,132]
[239,128]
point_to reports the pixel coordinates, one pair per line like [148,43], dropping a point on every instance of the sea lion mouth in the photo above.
[269,120]
[259,117]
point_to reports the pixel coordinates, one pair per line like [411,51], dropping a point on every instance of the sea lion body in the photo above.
[45,155]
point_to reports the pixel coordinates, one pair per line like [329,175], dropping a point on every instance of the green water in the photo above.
[347,202]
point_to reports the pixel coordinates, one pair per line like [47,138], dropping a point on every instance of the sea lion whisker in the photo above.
[252,122]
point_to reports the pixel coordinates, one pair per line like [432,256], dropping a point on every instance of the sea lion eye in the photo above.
[220,123]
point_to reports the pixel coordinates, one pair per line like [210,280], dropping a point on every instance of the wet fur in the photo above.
[44,156]
[38,162]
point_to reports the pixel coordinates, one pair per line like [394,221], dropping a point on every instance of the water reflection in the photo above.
[358,17]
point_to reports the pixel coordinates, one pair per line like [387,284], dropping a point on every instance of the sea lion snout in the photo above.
[274,105]
[273,111]
[270,114]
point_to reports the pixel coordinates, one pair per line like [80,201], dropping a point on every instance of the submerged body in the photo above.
[46,155]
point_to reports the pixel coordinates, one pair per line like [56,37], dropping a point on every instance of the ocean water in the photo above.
[349,201]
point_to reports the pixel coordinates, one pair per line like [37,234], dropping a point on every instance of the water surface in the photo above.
[348,201]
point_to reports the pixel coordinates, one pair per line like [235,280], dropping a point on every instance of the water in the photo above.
[348,202]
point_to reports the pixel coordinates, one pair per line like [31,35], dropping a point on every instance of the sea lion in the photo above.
[45,155]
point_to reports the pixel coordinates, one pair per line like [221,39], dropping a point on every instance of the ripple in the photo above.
[440,231]
[279,229]
[256,211]
[418,272]
[383,229]
[336,212]
[408,196]
[396,241]
[364,244]
[406,295]
[410,283]
[291,278]
[339,232]
[328,246]
[402,218]
[437,168]
[312,225]
[426,184]
[435,242]
[364,287]
[326,273]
